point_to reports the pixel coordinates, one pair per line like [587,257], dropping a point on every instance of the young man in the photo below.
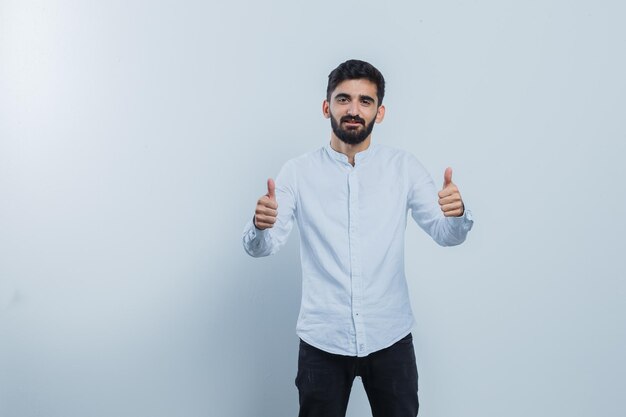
[350,199]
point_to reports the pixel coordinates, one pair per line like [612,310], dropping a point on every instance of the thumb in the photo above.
[271,189]
[447,177]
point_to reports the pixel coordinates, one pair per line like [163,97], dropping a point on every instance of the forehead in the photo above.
[356,88]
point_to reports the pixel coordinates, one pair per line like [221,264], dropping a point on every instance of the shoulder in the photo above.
[403,163]
[399,156]
[299,167]
[304,161]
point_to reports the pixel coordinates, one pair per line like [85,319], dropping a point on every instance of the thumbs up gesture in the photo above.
[450,198]
[266,208]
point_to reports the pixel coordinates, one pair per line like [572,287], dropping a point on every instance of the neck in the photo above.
[347,149]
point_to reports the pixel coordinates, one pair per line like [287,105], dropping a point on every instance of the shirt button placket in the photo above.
[355,262]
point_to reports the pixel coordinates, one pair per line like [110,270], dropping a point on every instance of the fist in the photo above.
[450,198]
[266,208]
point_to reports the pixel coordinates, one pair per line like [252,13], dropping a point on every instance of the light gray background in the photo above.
[136,137]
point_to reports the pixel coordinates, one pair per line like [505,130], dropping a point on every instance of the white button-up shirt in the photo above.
[352,220]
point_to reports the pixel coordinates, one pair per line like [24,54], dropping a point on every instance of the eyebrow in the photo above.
[362,97]
[342,95]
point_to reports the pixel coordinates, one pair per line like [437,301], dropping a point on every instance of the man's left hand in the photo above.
[450,197]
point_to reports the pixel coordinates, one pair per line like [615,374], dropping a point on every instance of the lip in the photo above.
[353,124]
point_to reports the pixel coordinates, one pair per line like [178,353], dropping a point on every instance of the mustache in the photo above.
[352,119]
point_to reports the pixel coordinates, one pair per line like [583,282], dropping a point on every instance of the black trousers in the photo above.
[389,377]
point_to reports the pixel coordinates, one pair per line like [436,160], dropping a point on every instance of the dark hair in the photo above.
[355,69]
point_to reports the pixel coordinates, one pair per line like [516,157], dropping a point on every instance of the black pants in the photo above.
[389,377]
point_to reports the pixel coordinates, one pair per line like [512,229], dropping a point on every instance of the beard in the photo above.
[351,136]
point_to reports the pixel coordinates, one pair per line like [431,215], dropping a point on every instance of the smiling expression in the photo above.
[353,109]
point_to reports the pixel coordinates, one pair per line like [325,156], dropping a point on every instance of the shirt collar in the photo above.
[359,157]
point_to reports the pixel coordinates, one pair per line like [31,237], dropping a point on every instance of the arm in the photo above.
[273,219]
[436,213]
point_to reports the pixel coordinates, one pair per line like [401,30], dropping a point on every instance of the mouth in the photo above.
[351,123]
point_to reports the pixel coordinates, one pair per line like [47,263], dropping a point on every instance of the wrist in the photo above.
[254,223]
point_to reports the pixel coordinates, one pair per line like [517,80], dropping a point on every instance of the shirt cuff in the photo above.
[465,222]
[254,232]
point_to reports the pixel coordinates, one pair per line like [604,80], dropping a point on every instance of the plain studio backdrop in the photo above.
[136,137]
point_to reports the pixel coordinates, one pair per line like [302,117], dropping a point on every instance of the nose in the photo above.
[353,108]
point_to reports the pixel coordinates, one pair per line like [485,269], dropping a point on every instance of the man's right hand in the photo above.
[266,208]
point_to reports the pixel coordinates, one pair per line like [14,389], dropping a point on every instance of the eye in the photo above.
[366,102]
[342,100]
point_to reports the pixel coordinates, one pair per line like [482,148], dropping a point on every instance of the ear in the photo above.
[326,109]
[380,114]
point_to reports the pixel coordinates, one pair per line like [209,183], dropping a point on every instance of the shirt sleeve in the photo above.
[423,201]
[266,242]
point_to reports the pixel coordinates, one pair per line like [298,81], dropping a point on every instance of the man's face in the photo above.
[353,109]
